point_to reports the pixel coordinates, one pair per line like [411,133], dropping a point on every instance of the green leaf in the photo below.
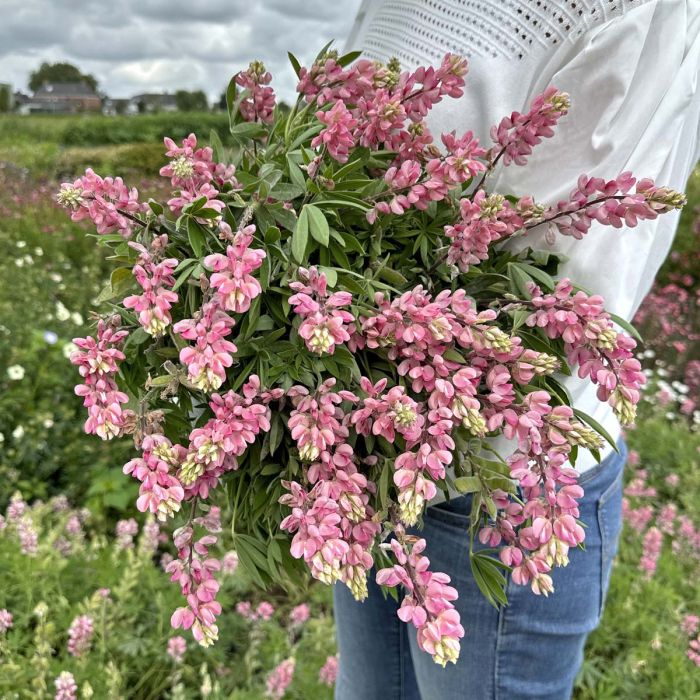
[185,273]
[276,433]
[384,486]
[318,224]
[344,202]
[518,279]
[626,326]
[121,281]
[252,557]
[218,147]
[468,484]
[300,237]
[331,275]
[539,275]
[155,207]
[272,234]
[295,63]
[285,191]
[231,99]
[296,175]
[247,130]
[286,218]
[597,427]
[195,235]
[489,579]
[348,58]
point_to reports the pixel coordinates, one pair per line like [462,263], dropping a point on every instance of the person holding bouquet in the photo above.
[632,66]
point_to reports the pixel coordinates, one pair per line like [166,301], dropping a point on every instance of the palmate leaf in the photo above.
[489,578]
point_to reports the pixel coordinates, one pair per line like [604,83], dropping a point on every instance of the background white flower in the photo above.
[15,372]
[62,313]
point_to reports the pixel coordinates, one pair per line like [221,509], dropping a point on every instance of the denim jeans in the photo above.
[532,648]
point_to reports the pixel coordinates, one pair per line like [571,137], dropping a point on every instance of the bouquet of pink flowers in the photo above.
[324,319]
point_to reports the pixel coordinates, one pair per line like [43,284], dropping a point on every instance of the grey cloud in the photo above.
[137,45]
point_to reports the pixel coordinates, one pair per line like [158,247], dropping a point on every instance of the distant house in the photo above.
[152,102]
[63,98]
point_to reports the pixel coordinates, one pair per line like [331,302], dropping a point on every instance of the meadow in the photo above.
[83,589]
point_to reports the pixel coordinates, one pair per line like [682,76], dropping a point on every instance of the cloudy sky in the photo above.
[134,46]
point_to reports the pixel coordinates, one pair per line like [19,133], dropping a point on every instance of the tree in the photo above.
[59,73]
[5,97]
[195,101]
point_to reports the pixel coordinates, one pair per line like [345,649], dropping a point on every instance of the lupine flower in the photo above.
[601,353]
[324,324]
[28,536]
[265,610]
[610,203]
[126,531]
[279,678]
[337,135]
[517,134]
[235,286]
[211,354]
[428,600]
[193,171]
[97,361]
[156,280]
[66,687]
[5,620]
[260,104]
[150,536]
[160,492]
[329,671]
[214,447]
[194,570]
[299,614]
[177,646]
[484,221]
[651,551]
[229,563]
[690,624]
[107,202]
[80,635]
[245,609]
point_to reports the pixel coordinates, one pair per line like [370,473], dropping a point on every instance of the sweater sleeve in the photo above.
[635,106]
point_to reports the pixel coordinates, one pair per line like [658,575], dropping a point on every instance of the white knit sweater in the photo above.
[631,68]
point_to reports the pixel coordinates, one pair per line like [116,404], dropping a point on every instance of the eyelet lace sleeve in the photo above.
[420,31]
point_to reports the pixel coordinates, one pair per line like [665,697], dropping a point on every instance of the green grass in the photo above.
[61,146]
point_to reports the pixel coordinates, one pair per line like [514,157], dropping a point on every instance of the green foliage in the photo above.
[54,273]
[639,649]
[59,73]
[5,98]
[194,101]
[147,128]
[128,656]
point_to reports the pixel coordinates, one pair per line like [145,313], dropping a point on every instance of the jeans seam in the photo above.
[500,634]
[400,631]
[605,535]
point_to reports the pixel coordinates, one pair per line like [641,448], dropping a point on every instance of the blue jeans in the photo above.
[532,648]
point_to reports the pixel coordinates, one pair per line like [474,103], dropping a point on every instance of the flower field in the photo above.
[85,602]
